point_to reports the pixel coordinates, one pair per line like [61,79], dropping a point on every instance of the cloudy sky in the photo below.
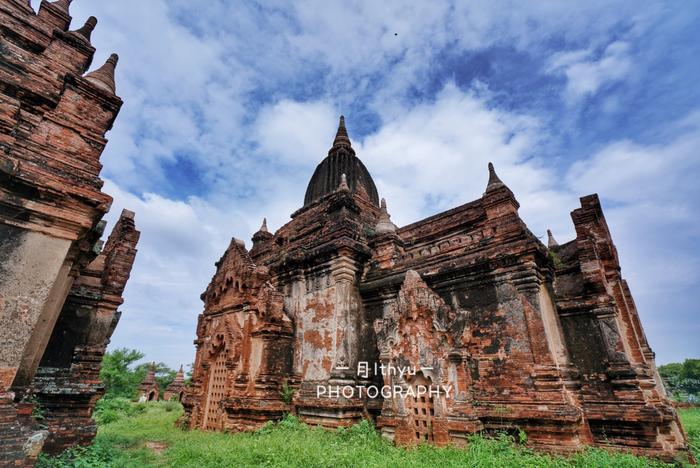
[229,106]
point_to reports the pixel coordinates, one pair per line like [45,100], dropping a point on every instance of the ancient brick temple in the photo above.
[176,390]
[515,334]
[149,390]
[60,287]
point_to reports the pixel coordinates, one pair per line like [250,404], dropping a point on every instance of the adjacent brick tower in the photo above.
[176,389]
[59,288]
[514,333]
[149,389]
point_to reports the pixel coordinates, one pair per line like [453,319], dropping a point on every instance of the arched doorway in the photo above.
[152,395]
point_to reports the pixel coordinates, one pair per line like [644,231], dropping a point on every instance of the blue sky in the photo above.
[230,105]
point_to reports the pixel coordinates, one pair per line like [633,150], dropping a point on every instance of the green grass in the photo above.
[147,436]
[691,421]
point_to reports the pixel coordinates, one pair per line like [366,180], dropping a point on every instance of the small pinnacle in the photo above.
[103,77]
[551,241]
[341,137]
[86,29]
[343,187]
[384,223]
[127,214]
[494,181]
[63,5]
[263,228]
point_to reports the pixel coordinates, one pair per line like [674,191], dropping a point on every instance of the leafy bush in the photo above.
[109,410]
[682,380]
[171,405]
[96,455]
[287,393]
[362,431]
[291,422]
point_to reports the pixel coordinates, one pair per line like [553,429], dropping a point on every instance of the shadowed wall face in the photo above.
[59,291]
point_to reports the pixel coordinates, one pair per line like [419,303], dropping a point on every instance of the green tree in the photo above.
[691,369]
[118,378]
[682,379]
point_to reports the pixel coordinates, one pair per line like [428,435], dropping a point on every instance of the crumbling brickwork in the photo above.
[59,292]
[518,335]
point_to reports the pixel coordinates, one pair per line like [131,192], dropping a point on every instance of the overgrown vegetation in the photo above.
[145,435]
[122,377]
[682,380]
[691,422]
[287,392]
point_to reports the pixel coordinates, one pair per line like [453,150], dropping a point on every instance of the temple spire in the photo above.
[341,136]
[551,241]
[494,181]
[261,235]
[384,223]
[103,77]
[86,29]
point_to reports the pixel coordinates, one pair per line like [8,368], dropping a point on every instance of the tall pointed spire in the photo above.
[86,29]
[103,77]
[263,228]
[494,181]
[341,136]
[551,241]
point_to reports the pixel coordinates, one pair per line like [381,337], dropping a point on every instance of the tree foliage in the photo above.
[682,379]
[122,376]
[119,378]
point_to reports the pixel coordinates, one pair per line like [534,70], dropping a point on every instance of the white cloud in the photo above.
[291,132]
[193,73]
[431,159]
[654,195]
[586,74]
[251,94]
[180,241]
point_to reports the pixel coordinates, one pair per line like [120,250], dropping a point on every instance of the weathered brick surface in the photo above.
[543,339]
[57,291]
[67,383]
